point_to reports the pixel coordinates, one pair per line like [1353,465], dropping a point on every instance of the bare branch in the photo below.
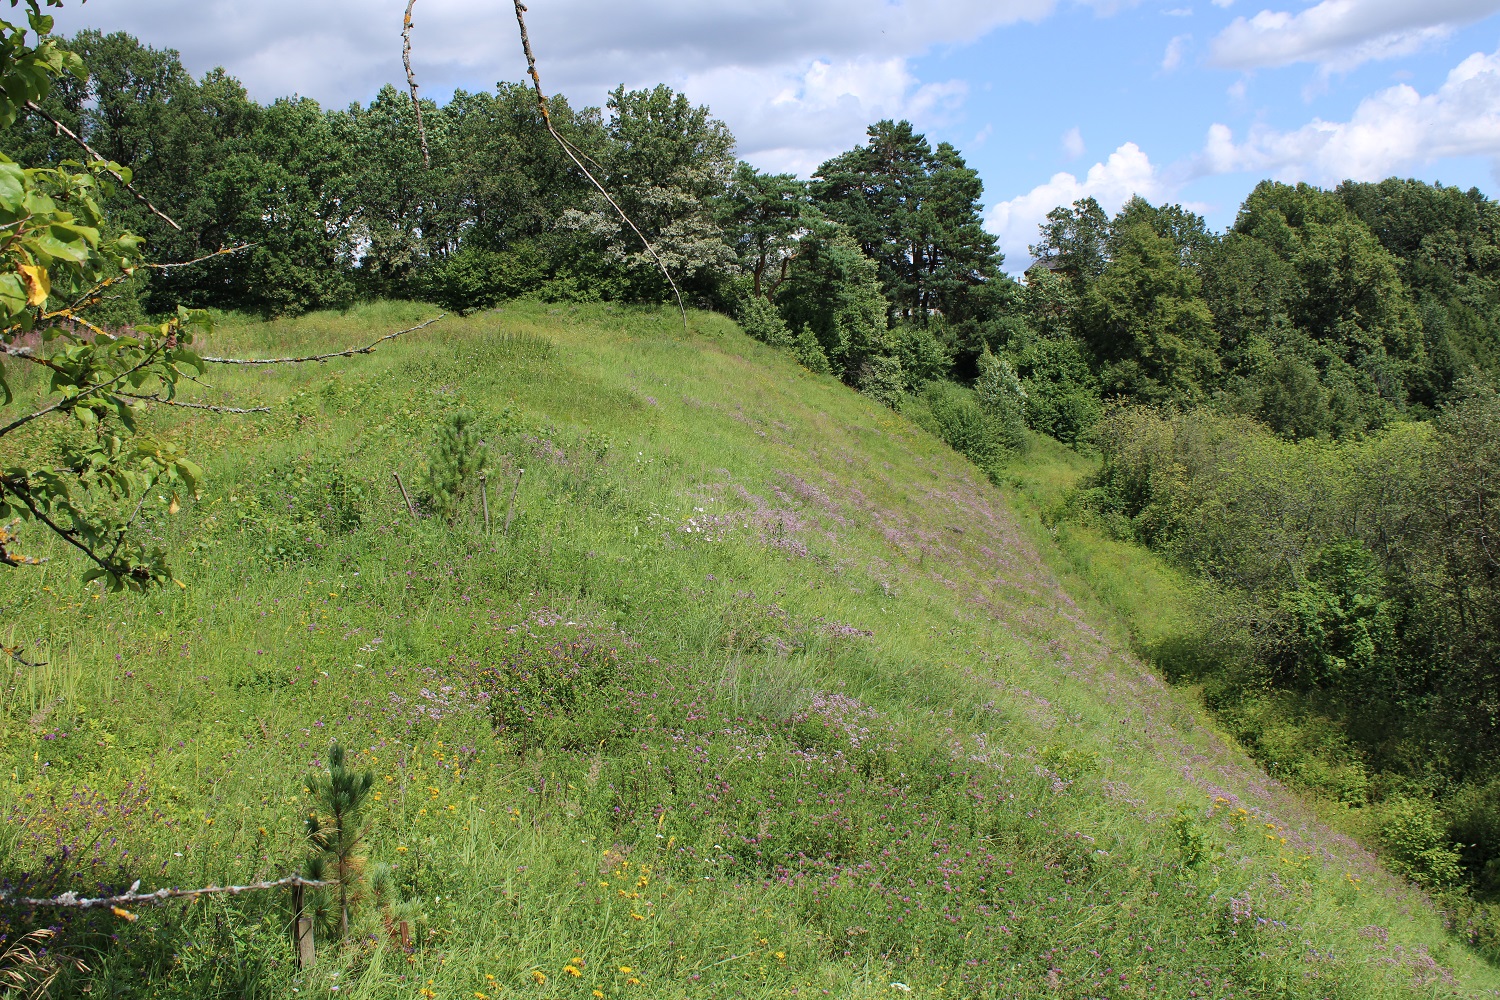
[351,352]
[68,535]
[411,80]
[64,130]
[222,251]
[72,901]
[193,406]
[567,147]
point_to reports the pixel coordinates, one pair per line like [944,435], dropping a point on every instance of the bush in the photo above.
[923,356]
[453,471]
[759,319]
[1413,835]
[809,353]
[881,378]
[959,420]
[1003,400]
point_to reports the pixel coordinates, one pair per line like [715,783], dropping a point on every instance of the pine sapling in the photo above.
[334,830]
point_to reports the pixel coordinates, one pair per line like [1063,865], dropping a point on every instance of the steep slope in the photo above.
[763,692]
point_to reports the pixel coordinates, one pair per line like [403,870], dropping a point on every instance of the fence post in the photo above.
[302,932]
[409,508]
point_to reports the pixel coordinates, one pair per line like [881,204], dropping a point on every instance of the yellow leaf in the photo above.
[38,284]
[174,506]
[124,914]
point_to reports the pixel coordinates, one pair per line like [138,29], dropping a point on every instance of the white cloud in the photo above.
[1178,12]
[1341,34]
[1127,172]
[795,79]
[1389,132]
[1172,58]
[1072,143]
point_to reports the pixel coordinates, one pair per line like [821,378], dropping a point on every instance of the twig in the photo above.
[222,251]
[541,101]
[64,130]
[409,508]
[70,402]
[511,513]
[351,352]
[484,495]
[411,80]
[194,406]
[72,901]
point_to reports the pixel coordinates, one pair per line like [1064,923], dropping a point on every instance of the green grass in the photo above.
[765,693]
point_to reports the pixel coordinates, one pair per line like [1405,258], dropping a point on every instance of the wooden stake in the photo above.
[511,513]
[410,509]
[302,932]
[484,494]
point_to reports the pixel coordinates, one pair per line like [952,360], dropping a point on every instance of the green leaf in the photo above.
[12,187]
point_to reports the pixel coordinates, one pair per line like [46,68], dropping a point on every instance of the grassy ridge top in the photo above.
[765,693]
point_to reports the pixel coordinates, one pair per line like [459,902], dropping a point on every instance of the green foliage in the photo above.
[833,289]
[809,353]
[1413,834]
[336,831]
[1003,399]
[455,466]
[298,509]
[923,356]
[759,319]
[83,486]
[958,418]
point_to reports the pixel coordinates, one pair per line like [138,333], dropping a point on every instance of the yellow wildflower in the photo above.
[599,995]
[539,976]
[572,971]
[781,956]
[625,970]
[633,981]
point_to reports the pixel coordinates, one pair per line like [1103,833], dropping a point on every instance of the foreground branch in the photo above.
[193,406]
[73,901]
[567,147]
[411,81]
[351,352]
[64,130]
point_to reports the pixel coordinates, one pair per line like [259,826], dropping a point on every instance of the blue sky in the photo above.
[1178,100]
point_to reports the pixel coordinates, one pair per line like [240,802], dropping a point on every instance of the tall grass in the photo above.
[765,693]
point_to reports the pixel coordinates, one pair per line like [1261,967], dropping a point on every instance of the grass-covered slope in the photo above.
[765,693]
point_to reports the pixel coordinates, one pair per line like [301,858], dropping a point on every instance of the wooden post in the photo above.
[302,932]
[484,495]
[409,508]
[511,513]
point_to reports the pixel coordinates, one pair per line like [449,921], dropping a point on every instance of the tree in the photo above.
[764,216]
[916,212]
[54,254]
[1146,324]
[833,291]
[1075,242]
[666,163]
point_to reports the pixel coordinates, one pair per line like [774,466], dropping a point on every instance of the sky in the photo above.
[1187,101]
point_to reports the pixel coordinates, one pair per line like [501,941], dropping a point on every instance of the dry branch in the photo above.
[351,352]
[73,901]
[194,406]
[574,155]
[64,130]
[411,81]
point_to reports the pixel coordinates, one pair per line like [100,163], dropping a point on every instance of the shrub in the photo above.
[759,319]
[959,420]
[1413,835]
[880,377]
[453,471]
[1002,398]
[809,353]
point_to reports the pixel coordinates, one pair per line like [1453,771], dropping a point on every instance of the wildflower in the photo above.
[427,993]
[539,976]
[633,981]
[781,956]
[401,849]
[636,916]
[480,996]
[625,970]
[598,994]
[572,971]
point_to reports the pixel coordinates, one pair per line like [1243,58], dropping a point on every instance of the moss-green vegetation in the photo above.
[764,692]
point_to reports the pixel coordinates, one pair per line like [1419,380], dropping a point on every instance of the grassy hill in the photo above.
[765,692]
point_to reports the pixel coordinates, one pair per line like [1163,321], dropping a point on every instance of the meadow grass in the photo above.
[764,693]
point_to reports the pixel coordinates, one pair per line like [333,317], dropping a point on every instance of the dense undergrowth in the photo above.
[763,693]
